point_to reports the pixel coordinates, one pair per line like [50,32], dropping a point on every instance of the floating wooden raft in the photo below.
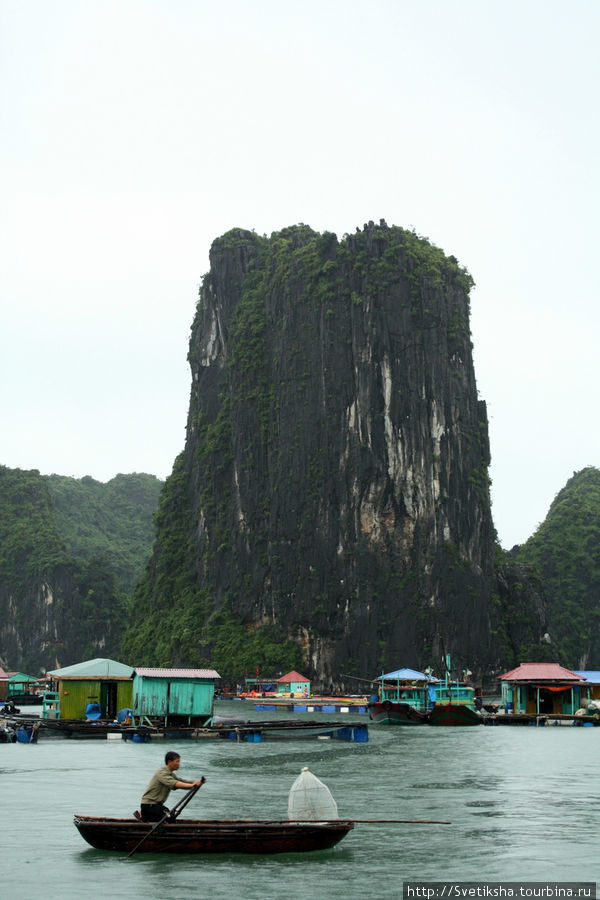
[241,731]
[353,731]
[540,719]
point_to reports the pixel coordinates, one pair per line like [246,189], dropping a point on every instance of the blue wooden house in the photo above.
[177,697]
[591,690]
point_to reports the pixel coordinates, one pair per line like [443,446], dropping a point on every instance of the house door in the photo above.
[108,699]
[546,702]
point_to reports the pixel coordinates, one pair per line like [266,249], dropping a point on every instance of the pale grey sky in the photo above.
[134,132]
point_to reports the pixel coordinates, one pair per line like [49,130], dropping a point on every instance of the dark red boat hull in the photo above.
[396,713]
[212,836]
[454,714]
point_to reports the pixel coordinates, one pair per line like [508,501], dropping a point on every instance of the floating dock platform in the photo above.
[540,719]
[237,730]
[306,706]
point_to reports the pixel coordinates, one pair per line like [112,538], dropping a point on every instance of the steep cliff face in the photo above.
[334,481]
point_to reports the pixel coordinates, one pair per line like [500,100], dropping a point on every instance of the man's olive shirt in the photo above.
[162,782]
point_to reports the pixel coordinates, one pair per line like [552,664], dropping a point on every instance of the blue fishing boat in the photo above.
[455,701]
[404,697]
[408,697]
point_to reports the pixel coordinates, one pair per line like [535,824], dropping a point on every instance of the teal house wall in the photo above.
[21,683]
[293,683]
[181,696]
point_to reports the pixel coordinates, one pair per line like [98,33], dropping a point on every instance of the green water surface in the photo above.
[523,801]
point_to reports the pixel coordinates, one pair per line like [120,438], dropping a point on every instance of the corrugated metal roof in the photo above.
[291,676]
[540,672]
[3,675]
[405,675]
[145,672]
[95,668]
[592,677]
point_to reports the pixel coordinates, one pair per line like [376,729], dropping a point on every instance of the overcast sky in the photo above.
[134,132]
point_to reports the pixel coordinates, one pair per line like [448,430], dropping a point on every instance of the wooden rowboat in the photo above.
[212,835]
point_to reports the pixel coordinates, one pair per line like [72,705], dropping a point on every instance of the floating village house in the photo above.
[19,683]
[294,684]
[96,689]
[542,688]
[176,696]
[106,689]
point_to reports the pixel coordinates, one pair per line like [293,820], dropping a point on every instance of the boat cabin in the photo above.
[541,689]
[408,686]
[455,692]
[96,689]
[178,697]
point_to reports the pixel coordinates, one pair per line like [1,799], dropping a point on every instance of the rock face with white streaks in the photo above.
[336,462]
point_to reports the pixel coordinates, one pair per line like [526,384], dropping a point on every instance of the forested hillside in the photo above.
[70,552]
[111,520]
[564,554]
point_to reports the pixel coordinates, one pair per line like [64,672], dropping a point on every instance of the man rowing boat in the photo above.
[160,785]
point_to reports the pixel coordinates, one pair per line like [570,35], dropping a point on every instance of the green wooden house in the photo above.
[183,697]
[98,688]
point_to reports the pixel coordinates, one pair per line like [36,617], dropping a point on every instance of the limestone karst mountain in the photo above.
[331,507]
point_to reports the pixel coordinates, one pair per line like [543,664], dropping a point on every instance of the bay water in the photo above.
[523,801]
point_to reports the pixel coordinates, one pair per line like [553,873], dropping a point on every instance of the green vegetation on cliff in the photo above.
[335,441]
[173,621]
[30,541]
[520,617]
[111,521]
[70,552]
[564,553]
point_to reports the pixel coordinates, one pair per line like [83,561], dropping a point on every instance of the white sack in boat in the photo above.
[310,799]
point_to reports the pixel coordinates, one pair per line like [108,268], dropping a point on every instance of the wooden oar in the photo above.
[375,821]
[172,814]
[320,821]
[406,821]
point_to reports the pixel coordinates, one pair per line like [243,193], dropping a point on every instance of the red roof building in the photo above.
[541,689]
[291,676]
[293,683]
[547,672]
